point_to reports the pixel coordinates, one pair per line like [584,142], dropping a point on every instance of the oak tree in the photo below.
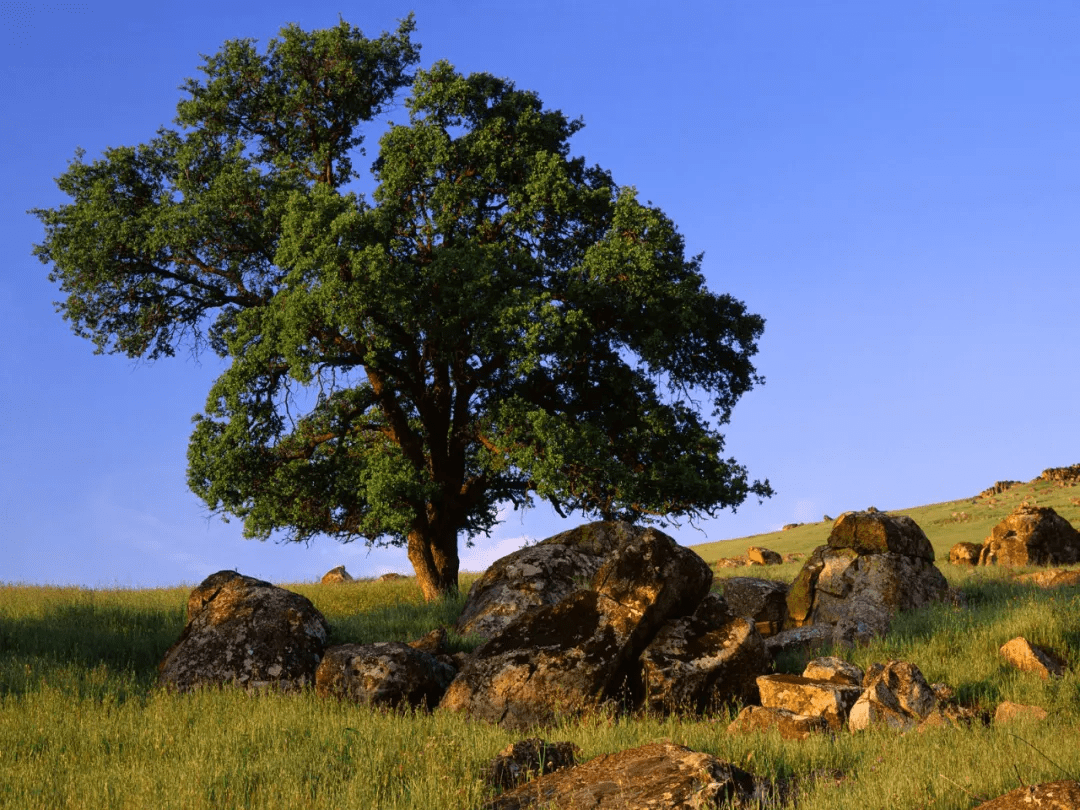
[495,321]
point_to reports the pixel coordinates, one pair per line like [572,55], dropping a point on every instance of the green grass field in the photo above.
[83,725]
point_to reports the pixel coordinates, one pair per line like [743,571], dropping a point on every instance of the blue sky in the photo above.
[893,186]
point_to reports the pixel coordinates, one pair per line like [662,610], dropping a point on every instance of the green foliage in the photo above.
[498,321]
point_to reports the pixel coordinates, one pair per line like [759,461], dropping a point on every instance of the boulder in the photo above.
[896,695]
[561,659]
[834,670]
[763,556]
[1032,535]
[1029,657]
[1007,711]
[388,673]
[336,575]
[700,662]
[1061,795]
[525,760]
[873,566]
[434,643]
[537,575]
[391,577]
[790,725]
[657,776]
[812,698]
[965,553]
[1054,578]
[761,600]
[800,639]
[245,632]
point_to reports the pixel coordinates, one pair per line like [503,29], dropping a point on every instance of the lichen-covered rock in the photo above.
[813,698]
[561,659]
[896,695]
[387,673]
[1061,795]
[873,566]
[1032,535]
[965,554]
[702,661]
[1029,657]
[763,556]
[336,576]
[1007,712]
[657,776]
[763,601]
[539,575]
[835,670]
[1054,578]
[527,759]
[245,632]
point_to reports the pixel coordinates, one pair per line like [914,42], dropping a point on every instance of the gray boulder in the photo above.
[384,674]
[245,632]
[539,575]
[561,659]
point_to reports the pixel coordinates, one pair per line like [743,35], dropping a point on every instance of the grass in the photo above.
[83,724]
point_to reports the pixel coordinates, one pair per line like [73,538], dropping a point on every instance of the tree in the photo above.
[498,322]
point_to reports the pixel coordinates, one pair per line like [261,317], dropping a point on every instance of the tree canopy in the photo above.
[499,322]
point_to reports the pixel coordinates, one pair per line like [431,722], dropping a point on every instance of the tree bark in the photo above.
[434,558]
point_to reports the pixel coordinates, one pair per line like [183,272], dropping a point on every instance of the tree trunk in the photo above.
[434,558]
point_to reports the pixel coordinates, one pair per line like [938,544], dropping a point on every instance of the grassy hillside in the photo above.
[83,724]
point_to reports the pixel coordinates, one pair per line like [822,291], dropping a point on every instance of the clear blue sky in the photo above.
[894,186]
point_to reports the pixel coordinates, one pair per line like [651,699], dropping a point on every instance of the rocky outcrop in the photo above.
[809,697]
[1061,473]
[761,600]
[873,566]
[387,673]
[336,576]
[1032,535]
[698,663]
[895,695]
[538,575]
[998,488]
[965,554]
[1061,795]
[245,632]
[525,760]
[560,659]
[1029,657]
[657,776]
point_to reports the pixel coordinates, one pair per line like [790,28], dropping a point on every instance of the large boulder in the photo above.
[539,575]
[702,661]
[657,776]
[245,632]
[1032,535]
[810,697]
[763,601]
[336,576]
[896,695]
[563,658]
[388,673]
[873,566]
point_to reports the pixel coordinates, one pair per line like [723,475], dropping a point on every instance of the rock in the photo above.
[896,695]
[700,662]
[812,698]
[789,526]
[834,670]
[1032,535]
[998,488]
[965,553]
[826,519]
[388,673]
[1054,578]
[1061,795]
[801,639]
[763,556]
[761,600]
[732,562]
[525,760]
[1061,473]
[537,575]
[873,566]
[560,659]
[434,643]
[1029,657]
[336,575]
[657,776]
[391,577]
[1007,711]
[790,725]
[245,632]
